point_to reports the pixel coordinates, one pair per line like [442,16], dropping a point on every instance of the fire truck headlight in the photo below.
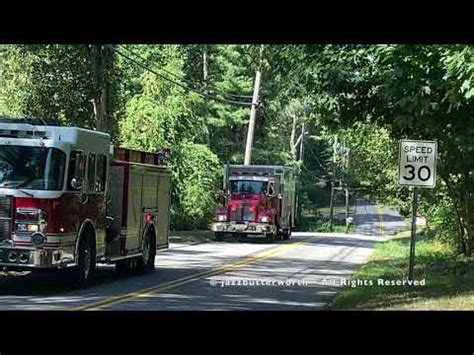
[38,239]
[33,228]
[21,227]
[264,219]
[222,218]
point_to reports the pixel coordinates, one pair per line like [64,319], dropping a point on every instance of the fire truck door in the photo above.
[149,204]
[135,191]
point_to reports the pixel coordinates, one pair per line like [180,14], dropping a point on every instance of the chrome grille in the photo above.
[249,216]
[236,216]
[5,217]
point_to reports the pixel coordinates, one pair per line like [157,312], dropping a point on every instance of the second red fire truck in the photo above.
[259,201]
[68,198]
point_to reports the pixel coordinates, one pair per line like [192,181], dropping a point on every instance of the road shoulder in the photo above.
[445,281]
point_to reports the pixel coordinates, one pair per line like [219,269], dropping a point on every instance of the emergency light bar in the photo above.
[22,134]
[251,178]
[249,173]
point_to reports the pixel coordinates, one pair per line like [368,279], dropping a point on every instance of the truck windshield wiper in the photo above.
[26,192]
[15,186]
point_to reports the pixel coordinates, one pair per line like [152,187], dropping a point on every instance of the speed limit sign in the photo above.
[417,163]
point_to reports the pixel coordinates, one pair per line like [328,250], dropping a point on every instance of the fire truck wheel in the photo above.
[86,262]
[147,261]
[218,236]
[279,235]
[270,238]
[286,234]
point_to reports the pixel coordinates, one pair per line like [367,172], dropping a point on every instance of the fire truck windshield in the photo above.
[248,186]
[37,168]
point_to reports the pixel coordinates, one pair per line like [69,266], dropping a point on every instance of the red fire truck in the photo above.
[259,201]
[68,198]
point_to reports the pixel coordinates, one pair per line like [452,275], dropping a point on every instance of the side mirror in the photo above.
[280,196]
[76,184]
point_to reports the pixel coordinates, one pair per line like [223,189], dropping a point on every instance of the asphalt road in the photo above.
[303,273]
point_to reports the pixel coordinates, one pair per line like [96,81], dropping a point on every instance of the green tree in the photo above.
[15,74]
[62,82]
[420,92]
[196,171]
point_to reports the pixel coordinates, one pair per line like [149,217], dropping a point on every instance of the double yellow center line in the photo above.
[194,277]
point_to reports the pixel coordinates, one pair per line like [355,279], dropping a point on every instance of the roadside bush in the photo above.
[196,170]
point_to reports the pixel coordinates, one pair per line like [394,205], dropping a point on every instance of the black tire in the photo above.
[129,266]
[146,262]
[286,234]
[86,261]
[270,238]
[219,236]
[279,235]
[122,266]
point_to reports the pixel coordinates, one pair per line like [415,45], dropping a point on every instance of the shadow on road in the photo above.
[55,291]
[214,294]
[345,241]
[44,283]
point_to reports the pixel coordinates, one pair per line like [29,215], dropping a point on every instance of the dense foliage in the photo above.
[196,100]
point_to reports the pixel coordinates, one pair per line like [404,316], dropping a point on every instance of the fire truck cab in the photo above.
[68,198]
[259,201]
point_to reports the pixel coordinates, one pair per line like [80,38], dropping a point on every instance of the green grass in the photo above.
[192,237]
[336,210]
[449,278]
[321,224]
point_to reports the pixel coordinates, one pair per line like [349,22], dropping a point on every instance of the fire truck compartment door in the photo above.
[149,196]
[149,192]
[134,215]
[115,198]
[164,201]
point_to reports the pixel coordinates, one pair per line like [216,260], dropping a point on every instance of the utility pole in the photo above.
[333,184]
[253,111]
[302,142]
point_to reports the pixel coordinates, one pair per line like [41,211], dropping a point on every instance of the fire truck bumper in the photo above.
[21,258]
[245,228]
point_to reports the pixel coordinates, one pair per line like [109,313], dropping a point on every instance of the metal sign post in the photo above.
[411,266]
[417,168]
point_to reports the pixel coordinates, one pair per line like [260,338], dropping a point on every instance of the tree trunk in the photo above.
[102,59]
[462,245]
[294,142]
[292,138]
[469,225]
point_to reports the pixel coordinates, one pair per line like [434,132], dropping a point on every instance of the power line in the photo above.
[311,150]
[235,95]
[164,70]
[319,162]
[183,79]
[241,103]
[191,85]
